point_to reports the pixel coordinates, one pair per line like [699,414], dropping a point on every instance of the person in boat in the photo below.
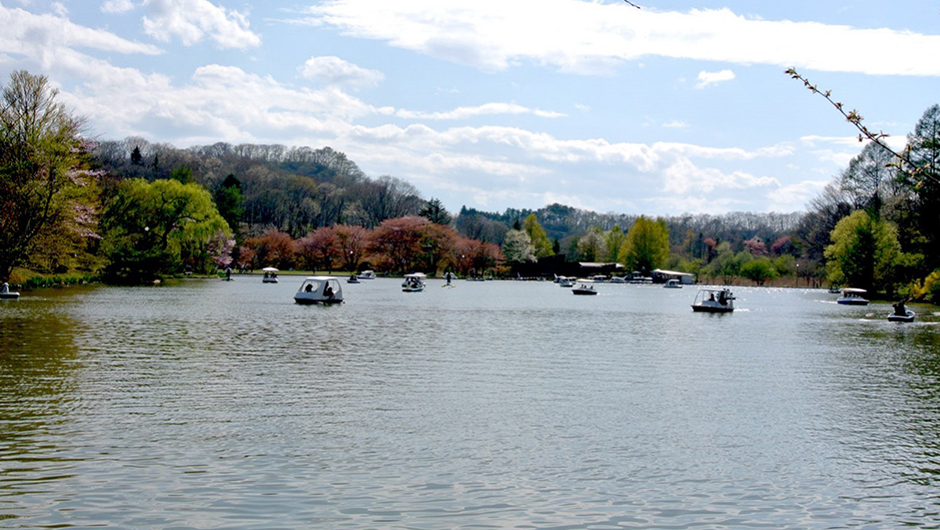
[266,275]
[228,273]
[899,308]
[711,297]
[5,288]
[309,288]
[722,298]
[328,292]
[448,276]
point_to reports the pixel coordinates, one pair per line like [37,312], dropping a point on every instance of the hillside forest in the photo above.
[131,211]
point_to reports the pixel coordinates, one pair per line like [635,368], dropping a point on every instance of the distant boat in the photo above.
[367,275]
[414,283]
[270,275]
[852,296]
[319,290]
[672,284]
[713,301]
[584,289]
[7,294]
[565,281]
[353,279]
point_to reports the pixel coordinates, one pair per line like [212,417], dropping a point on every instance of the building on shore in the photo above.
[663,276]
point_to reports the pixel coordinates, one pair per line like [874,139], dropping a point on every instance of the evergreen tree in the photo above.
[228,200]
[435,212]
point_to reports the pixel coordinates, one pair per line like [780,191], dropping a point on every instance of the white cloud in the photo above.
[710,78]
[117,6]
[591,37]
[795,197]
[487,109]
[192,20]
[331,70]
[676,124]
[59,9]
[50,40]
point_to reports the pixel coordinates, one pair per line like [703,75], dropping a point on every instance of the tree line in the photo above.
[132,210]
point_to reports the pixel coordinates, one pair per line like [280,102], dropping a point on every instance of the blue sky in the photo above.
[677,107]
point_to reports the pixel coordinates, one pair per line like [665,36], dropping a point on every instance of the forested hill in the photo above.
[293,189]
[299,189]
[565,222]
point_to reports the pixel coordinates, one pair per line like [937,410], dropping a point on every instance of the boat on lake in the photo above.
[353,279]
[584,289]
[713,301]
[319,290]
[908,316]
[672,284]
[414,283]
[367,275]
[901,313]
[7,294]
[270,275]
[852,296]
[566,281]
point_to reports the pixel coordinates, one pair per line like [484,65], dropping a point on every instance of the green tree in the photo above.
[759,270]
[537,236]
[647,245]
[864,252]
[153,229]
[727,264]
[39,146]
[613,242]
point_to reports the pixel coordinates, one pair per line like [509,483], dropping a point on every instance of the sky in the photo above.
[674,107]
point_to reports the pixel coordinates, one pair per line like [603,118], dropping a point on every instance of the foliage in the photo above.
[592,246]
[397,243]
[928,289]
[864,253]
[727,264]
[474,257]
[271,249]
[319,250]
[39,147]
[154,229]
[437,246]
[537,236]
[435,212]
[613,242]
[352,242]
[517,247]
[759,270]
[647,245]
[228,200]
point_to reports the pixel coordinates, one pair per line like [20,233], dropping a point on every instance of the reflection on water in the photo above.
[503,404]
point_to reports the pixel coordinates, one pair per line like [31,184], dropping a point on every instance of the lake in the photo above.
[207,404]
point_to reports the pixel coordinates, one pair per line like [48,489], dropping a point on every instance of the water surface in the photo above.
[488,405]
